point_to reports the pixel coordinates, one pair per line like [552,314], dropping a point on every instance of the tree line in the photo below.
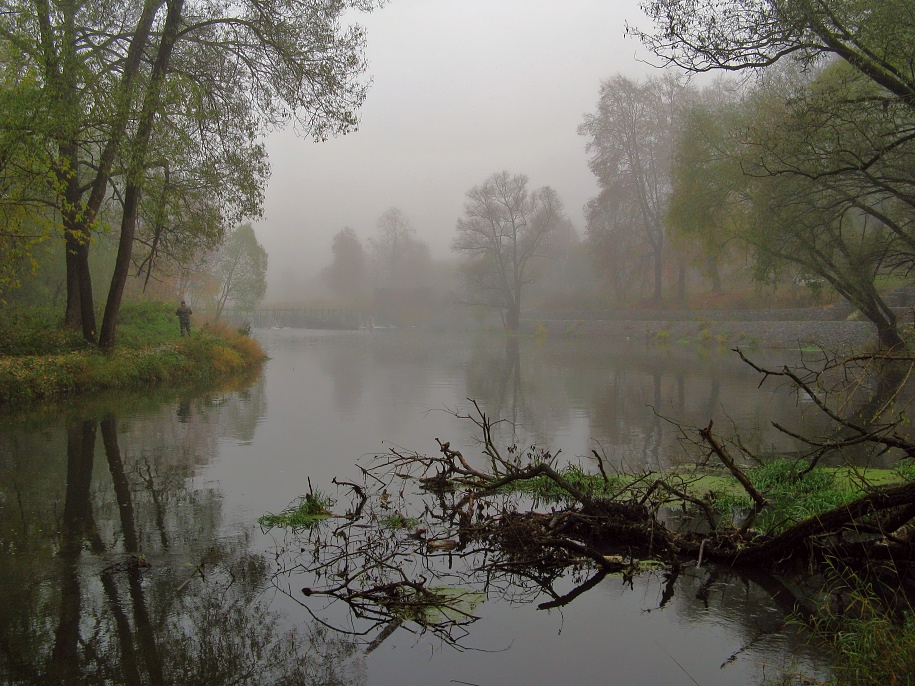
[508,236]
[800,170]
[804,169]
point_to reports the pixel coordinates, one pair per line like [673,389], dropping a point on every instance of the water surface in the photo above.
[130,550]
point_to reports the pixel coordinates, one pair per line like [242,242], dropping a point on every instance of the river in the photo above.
[130,550]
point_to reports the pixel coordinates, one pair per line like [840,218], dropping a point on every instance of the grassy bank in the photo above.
[861,615]
[41,361]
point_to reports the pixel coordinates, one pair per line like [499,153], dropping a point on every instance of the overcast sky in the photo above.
[461,89]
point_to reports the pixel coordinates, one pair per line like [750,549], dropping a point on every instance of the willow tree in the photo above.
[873,37]
[110,74]
[837,145]
[831,187]
[808,175]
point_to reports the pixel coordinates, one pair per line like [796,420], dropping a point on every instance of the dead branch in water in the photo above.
[417,560]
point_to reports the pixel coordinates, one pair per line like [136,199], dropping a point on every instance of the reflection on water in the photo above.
[129,551]
[116,568]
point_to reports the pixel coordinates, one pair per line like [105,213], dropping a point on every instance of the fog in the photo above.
[461,89]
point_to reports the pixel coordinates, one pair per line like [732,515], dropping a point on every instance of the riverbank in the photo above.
[40,363]
[829,335]
[787,329]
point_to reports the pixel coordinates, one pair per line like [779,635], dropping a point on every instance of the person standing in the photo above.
[184,318]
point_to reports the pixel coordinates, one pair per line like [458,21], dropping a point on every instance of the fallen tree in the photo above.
[425,533]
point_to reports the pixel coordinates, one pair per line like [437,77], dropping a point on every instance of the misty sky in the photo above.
[461,89]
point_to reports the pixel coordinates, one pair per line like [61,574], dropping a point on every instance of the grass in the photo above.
[399,521]
[544,488]
[41,361]
[306,513]
[872,638]
[793,497]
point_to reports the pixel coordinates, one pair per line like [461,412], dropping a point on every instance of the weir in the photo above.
[298,317]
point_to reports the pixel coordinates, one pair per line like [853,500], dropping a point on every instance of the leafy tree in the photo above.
[504,228]
[835,141]
[631,139]
[847,224]
[346,275]
[706,205]
[240,268]
[110,78]
[777,171]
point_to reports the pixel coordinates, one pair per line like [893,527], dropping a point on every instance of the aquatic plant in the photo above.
[399,521]
[306,512]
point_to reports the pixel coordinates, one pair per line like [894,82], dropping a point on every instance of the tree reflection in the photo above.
[421,556]
[108,595]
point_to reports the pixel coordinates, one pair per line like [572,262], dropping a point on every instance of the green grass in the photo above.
[147,324]
[399,521]
[793,497]
[872,638]
[544,488]
[306,513]
[36,331]
[40,361]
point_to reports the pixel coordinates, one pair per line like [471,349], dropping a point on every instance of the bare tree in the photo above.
[401,259]
[504,228]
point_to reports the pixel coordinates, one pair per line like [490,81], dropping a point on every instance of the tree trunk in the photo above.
[513,317]
[62,71]
[80,312]
[885,320]
[108,333]
[71,313]
[658,295]
[889,337]
[714,274]
[136,172]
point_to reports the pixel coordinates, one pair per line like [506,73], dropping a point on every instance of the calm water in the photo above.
[182,479]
